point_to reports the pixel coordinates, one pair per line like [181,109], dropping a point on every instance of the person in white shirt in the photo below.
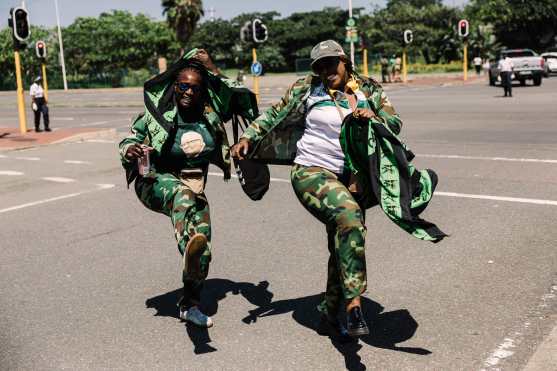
[478,65]
[505,67]
[39,105]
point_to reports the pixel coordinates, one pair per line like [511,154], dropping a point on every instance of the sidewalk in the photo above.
[12,139]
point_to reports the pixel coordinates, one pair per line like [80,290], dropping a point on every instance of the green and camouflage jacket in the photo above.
[153,127]
[275,133]
[373,153]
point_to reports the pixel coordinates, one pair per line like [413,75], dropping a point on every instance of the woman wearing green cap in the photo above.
[312,128]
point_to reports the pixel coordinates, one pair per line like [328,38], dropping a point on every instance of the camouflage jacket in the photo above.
[373,152]
[274,134]
[153,127]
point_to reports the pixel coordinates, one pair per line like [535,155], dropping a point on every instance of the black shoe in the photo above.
[37,130]
[332,328]
[355,323]
[47,129]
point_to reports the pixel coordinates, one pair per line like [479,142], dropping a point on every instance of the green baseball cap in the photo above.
[327,48]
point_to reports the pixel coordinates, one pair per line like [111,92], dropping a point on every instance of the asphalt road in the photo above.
[90,277]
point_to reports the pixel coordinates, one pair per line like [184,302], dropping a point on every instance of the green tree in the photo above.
[433,25]
[182,16]
[114,42]
[518,23]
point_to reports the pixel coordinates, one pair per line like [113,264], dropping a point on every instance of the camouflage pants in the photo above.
[322,193]
[165,193]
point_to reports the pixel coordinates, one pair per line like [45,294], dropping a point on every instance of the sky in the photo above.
[42,12]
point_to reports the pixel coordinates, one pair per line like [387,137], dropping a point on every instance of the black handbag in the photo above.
[254,176]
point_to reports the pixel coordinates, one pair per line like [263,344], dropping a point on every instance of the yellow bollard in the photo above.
[366,72]
[45,83]
[20,100]
[404,67]
[465,62]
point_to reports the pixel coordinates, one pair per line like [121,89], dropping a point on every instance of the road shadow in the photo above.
[214,290]
[387,329]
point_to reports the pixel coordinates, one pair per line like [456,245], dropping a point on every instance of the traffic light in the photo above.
[463,28]
[408,37]
[259,31]
[246,32]
[19,22]
[40,49]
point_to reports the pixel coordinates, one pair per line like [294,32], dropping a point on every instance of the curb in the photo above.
[98,134]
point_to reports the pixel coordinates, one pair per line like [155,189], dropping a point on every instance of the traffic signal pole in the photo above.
[465,61]
[20,99]
[45,83]
[255,77]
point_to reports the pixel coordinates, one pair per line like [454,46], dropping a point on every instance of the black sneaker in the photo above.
[47,129]
[37,130]
[355,323]
[332,328]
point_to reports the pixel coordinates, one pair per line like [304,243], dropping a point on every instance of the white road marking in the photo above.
[3,156]
[77,162]
[454,194]
[100,141]
[507,348]
[59,179]
[95,123]
[498,198]
[99,123]
[459,157]
[99,187]
[64,119]
[10,172]
[28,158]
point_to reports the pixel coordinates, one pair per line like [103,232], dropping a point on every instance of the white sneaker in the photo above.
[195,316]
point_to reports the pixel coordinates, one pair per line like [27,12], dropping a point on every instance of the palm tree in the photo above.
[182,16]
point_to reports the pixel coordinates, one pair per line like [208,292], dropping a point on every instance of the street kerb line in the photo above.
[455,195]
[100,187]
[459,157]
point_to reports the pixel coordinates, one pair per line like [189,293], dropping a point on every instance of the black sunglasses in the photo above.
[183,87]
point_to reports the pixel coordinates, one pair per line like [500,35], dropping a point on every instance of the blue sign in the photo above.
[256,69]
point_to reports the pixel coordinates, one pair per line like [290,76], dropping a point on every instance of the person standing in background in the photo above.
[506,69]
[478,64]
[39,104]
[385,76]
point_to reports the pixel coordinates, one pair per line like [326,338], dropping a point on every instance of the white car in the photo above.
[550,63]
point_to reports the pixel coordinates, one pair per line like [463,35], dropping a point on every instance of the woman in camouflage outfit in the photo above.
[182,128]
[306,129]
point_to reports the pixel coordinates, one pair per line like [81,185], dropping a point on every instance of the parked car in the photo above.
[528,65]
[550,63]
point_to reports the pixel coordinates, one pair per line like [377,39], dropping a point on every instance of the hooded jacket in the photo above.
[373,152]
[154,126]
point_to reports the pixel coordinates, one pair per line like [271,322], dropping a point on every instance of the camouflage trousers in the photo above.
[189,213]
[326,197]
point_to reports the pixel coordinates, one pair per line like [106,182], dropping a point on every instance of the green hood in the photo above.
[226,98]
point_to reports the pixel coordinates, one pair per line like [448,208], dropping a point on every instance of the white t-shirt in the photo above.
[36,91]
[477,61]
[506,65]
[320,145]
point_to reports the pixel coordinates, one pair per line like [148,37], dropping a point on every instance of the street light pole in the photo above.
[351,42]
[61,46]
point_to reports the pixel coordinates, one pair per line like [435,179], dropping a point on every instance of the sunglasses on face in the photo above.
[183,87]
[325,64]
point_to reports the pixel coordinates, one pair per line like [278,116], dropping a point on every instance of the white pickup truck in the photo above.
[528,65]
